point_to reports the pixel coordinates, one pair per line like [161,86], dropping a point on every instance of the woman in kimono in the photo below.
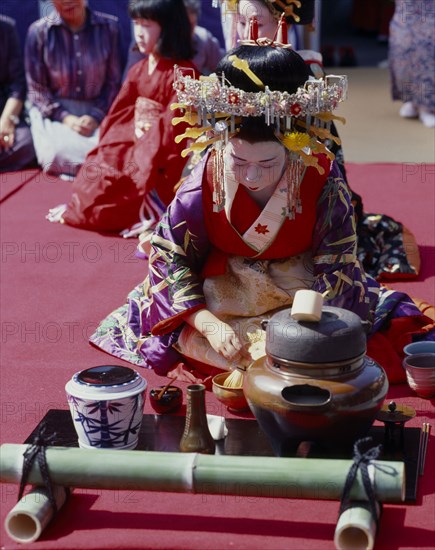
[267,13]
[265,213]
[73,70]
[129,177]
[386,249]
[206,48]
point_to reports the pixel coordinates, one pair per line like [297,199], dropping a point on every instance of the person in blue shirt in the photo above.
[16,147]
[73,71]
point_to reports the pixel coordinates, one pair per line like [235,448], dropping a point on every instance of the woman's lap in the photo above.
[59,149]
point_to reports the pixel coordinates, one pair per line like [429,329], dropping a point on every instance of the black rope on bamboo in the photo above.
[36,451]
[364,453]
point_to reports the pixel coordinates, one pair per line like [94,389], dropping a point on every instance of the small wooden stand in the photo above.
[394,418]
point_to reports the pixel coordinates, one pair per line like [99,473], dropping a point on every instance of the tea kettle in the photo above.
[315,383]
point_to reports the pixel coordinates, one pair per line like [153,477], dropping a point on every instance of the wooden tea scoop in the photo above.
[162,391]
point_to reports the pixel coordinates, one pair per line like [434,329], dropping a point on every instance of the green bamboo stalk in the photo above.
[356,528]
[209,474]
[31,515]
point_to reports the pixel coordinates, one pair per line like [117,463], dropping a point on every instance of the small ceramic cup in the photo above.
[419,347]
[232,397]
[420,373]
[167,401]
[106,404]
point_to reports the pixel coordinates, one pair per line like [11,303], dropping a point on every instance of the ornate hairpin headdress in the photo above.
[214,98]
[214,109]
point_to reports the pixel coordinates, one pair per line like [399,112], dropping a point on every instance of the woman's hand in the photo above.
[84,125]
[7,134]
[224,340]
[221,336]
[88,125]
[9,118]
[72,122]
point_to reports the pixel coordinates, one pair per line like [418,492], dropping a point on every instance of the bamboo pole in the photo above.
[206,474]
[356,528]
[31,515]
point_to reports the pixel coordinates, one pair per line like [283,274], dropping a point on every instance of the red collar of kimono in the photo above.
[294,237]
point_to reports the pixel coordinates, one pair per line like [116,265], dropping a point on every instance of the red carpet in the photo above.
[58,282]
[406,192]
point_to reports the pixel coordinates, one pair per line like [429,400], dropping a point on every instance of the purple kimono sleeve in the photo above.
[179,248]
[336,267]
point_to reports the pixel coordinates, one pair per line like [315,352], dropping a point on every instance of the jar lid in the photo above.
[106,375]
[106,382]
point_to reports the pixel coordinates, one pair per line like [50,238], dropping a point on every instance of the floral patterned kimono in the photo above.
[244,263]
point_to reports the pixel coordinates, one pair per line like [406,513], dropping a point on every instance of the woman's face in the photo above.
[266,23]
[146,33]
[256,166]
[69,10]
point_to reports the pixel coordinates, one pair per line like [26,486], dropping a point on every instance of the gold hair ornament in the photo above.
[243,65]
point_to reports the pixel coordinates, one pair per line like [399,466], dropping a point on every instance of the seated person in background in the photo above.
[73,70]
[385,248]
[16,147]
[206,49]
[411,59]
[265,213]
[129,178]
[267,13]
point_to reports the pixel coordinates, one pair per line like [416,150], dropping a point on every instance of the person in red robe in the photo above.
[130,176]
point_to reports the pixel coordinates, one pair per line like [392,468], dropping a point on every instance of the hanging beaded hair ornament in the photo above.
[214,108]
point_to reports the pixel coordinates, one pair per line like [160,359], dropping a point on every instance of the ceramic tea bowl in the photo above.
[233,398]
[106,404]
[166,399]
[420,373]
[419,347]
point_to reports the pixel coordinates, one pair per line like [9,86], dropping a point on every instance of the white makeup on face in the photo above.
[146,33]
[257,166]
[266,22]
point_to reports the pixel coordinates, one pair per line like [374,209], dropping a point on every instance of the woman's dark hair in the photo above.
[281,69]
[175,40]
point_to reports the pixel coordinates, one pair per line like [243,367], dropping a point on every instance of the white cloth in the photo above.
[59,149]
[217,426]
[55,214]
